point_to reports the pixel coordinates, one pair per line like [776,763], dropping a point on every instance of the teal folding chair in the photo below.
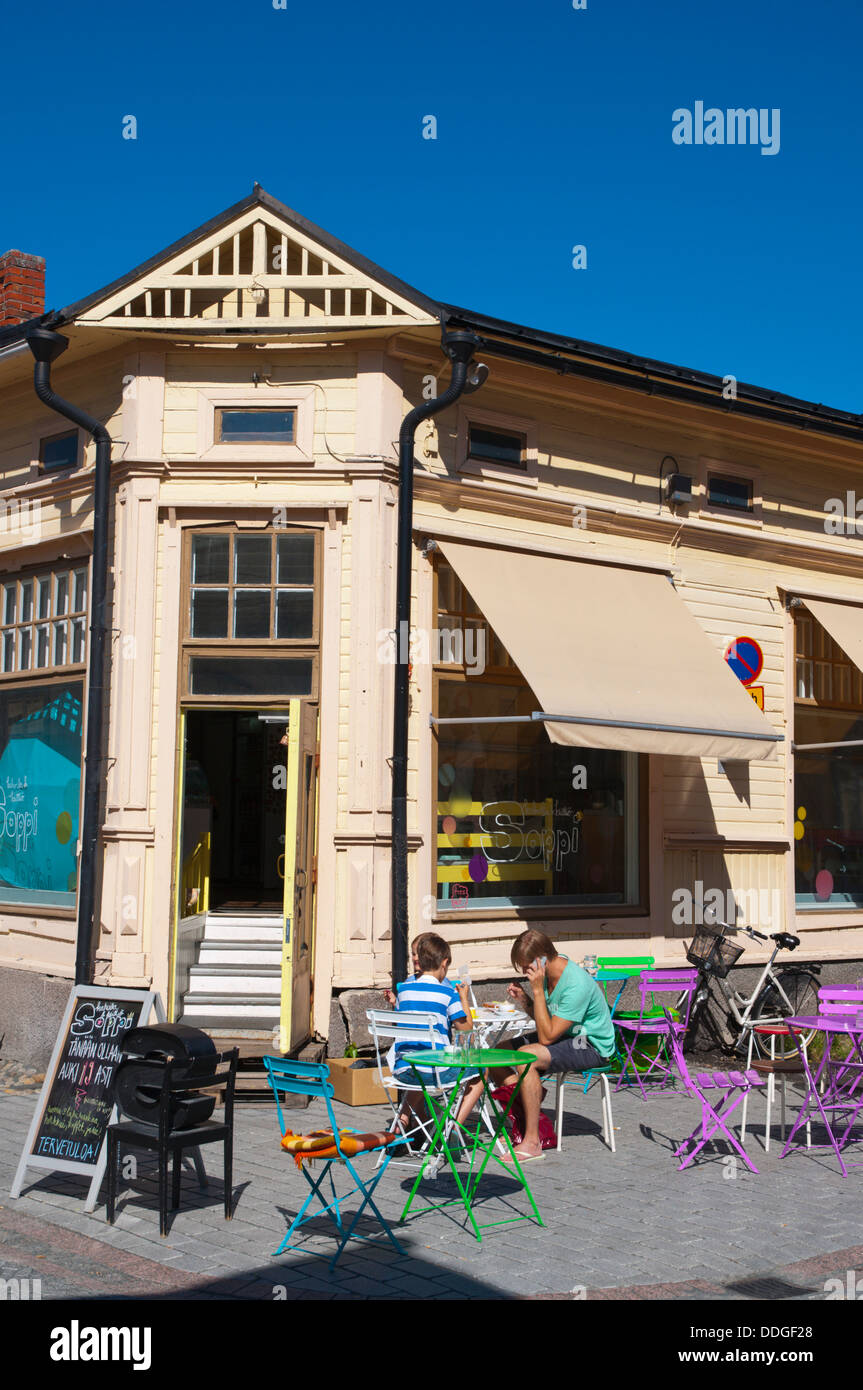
[288,1077]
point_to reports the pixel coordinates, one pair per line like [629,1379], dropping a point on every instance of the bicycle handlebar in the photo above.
[783,939]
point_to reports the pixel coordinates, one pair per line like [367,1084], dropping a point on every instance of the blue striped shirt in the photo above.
[426,995]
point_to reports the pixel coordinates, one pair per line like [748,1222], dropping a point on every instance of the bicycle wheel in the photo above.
[801,988]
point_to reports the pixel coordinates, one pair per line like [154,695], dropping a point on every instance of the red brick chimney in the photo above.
[22,287]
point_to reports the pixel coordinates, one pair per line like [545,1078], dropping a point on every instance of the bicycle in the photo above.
[793,990]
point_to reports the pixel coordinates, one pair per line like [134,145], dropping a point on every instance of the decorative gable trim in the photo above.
[259,270]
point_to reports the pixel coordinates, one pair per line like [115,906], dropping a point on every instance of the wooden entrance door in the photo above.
[299,888]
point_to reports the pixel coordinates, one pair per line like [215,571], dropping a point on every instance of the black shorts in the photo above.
[572,1054]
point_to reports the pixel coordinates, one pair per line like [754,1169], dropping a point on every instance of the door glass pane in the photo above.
[25,648]
[79,639]
[294,613]
[26,600]
[43,598]
[79,602]
[61,594]
[211,675]
[296,559]
[209,612]
[42,644]
[251,613]
[60,644]
[253,560]
[210,559]
[9,604]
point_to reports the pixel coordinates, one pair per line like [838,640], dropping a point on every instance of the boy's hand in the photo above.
[461,991]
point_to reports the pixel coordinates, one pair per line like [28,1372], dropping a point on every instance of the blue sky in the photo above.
[554,130]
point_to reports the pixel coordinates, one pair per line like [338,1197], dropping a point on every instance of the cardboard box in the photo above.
[359,1087]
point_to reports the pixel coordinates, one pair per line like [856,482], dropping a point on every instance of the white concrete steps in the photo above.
[224,927]
[238,954]
[236,981]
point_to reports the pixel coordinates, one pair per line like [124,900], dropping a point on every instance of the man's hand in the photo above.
[536,973]
[516,993]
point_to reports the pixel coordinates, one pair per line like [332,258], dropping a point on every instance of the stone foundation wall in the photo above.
[31,1008]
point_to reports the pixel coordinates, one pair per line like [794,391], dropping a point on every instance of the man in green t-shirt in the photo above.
[573,1024]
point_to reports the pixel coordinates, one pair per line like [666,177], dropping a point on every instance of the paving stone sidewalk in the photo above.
[623,1225]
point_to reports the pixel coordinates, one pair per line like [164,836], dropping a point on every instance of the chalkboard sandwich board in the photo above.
[76,1103]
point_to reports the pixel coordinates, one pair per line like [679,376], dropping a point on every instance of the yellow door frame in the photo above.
[292,809]
[178,865]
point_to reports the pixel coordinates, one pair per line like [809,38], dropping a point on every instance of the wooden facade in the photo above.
[212,324]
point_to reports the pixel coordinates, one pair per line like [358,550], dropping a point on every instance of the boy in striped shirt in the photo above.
[429,992]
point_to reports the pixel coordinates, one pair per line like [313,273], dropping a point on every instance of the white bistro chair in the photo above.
[387,1028]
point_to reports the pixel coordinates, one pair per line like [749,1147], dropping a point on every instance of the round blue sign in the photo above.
[745,658]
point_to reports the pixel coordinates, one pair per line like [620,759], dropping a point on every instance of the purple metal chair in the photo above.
[726,1091]
[654,1023]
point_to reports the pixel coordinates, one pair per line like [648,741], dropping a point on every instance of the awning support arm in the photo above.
[540,715]
[842,743]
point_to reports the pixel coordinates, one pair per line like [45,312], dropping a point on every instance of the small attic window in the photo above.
[501,448]
[253,426]
[729,494]
[58,451]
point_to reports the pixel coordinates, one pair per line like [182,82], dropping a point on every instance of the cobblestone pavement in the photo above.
[623,1225]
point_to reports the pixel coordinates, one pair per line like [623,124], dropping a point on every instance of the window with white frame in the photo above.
[43,619]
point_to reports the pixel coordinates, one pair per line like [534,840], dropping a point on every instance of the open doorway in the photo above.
[234,803]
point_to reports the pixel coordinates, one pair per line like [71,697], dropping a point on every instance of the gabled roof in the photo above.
[257,265]
[307,282]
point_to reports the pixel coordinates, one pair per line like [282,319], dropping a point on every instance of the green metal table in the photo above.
[479,1147]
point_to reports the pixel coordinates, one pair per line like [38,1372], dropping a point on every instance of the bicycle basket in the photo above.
[713,952]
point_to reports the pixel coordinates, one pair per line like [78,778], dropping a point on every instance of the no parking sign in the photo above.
[745,658]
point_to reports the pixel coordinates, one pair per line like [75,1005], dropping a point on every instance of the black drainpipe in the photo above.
[459,347]
[45,346]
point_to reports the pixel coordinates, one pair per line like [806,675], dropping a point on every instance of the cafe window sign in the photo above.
[40,792]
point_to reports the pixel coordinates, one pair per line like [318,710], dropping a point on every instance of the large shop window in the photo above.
[40,791]
[828,782]
[520,822]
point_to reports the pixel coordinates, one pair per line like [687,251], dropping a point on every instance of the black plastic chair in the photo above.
[175,1084]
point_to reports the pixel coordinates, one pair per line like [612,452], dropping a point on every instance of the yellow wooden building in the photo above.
[604,546]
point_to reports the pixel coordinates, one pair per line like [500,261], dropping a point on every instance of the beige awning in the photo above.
[844,622]
[613,655]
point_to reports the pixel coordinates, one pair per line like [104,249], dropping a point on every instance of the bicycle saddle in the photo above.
[786,940]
